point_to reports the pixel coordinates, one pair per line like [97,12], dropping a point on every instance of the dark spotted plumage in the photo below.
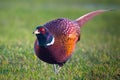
[66,34]
[56,40]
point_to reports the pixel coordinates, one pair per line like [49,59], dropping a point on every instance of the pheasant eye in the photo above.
[41,30]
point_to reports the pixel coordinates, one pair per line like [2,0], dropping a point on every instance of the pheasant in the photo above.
[56,40]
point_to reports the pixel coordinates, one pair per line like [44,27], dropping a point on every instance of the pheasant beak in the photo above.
[36,32]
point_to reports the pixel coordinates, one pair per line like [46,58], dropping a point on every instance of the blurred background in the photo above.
[97,55]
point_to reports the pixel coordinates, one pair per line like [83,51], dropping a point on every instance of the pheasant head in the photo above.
[45,38]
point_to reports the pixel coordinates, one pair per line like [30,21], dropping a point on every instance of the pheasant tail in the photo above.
[85,18]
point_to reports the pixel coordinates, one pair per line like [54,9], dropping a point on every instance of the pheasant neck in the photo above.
[46,41]
[51,42]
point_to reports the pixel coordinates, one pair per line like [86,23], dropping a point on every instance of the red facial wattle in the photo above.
[42,30]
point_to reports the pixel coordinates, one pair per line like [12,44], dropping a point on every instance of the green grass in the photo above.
[96,57]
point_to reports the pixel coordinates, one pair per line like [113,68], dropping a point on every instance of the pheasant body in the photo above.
[56,40]
[66,34]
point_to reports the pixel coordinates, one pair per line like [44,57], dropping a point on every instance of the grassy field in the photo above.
[96,57]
